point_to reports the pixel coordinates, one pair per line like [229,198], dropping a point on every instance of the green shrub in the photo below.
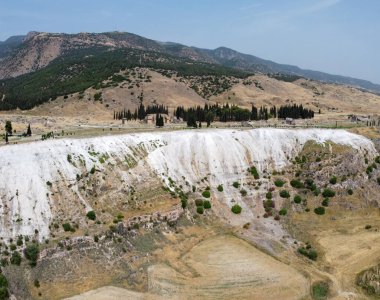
[333,180]
[93,169]
[198,202]
[220,188]
[268,203]
[369,170]
[206,194]
[91,215]
[284,194]
[378,180]
[36,283]
[309,253]
[12,247]
[327,193]
[96,238]
[4,294]
[243,192]
[48,183]
[368,227]
[377,159]
[269,195]
[183,203]
[19,241]
[236,185]
[207,204]
[254,172]
[320,290]
[296,184]
[66,226]
[279,182]
[297,199]
[350,192]
[69,158]
[282,212]
[309,183]
[319,210]
[31,253]
[200,210]
[15,258]
[236,209]
[325,202]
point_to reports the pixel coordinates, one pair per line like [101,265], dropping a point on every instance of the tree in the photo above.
[15,258]
[191,122]
[6,137]
[159,120]
[31,253]
[91,215]
[8,127]
[141,112]
[236,209]
[29,131]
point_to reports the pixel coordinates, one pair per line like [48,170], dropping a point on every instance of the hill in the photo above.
[37,50]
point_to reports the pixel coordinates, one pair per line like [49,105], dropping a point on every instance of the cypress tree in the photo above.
[29,131]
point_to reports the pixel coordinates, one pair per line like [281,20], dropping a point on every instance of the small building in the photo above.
[151,119]
[290,121]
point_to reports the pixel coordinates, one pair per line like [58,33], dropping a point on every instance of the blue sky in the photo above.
[334,36]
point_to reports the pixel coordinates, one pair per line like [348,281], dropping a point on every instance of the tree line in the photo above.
[141,112]
[227,113]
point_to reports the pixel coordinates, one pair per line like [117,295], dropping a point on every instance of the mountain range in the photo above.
[40,67]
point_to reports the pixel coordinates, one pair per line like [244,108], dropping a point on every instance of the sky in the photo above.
[333,36]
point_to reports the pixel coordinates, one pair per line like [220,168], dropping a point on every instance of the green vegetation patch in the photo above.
[320,290]
[279,182]
[236,209]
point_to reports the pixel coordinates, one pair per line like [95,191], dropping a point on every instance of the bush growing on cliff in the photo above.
[66,227]
[31,253]
[333,180]
[4,294]
[254,172]
[325,202]
[92,171]
[243,192]
[282,212]
[308,252]
[91,215]
[200,210]
[198,202]
[319,210]
[236,185]
[207,204]
[206,194]
[297,199]
[284,194]
[279,182]
[320,290]
[327,193]
[296,184]
[269,195]
[378,180]
[236,209]
[220,188]
[15,258]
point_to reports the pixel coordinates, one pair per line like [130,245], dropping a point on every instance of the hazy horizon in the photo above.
[332,36]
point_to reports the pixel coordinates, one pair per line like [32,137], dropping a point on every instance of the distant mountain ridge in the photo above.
[24,54]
